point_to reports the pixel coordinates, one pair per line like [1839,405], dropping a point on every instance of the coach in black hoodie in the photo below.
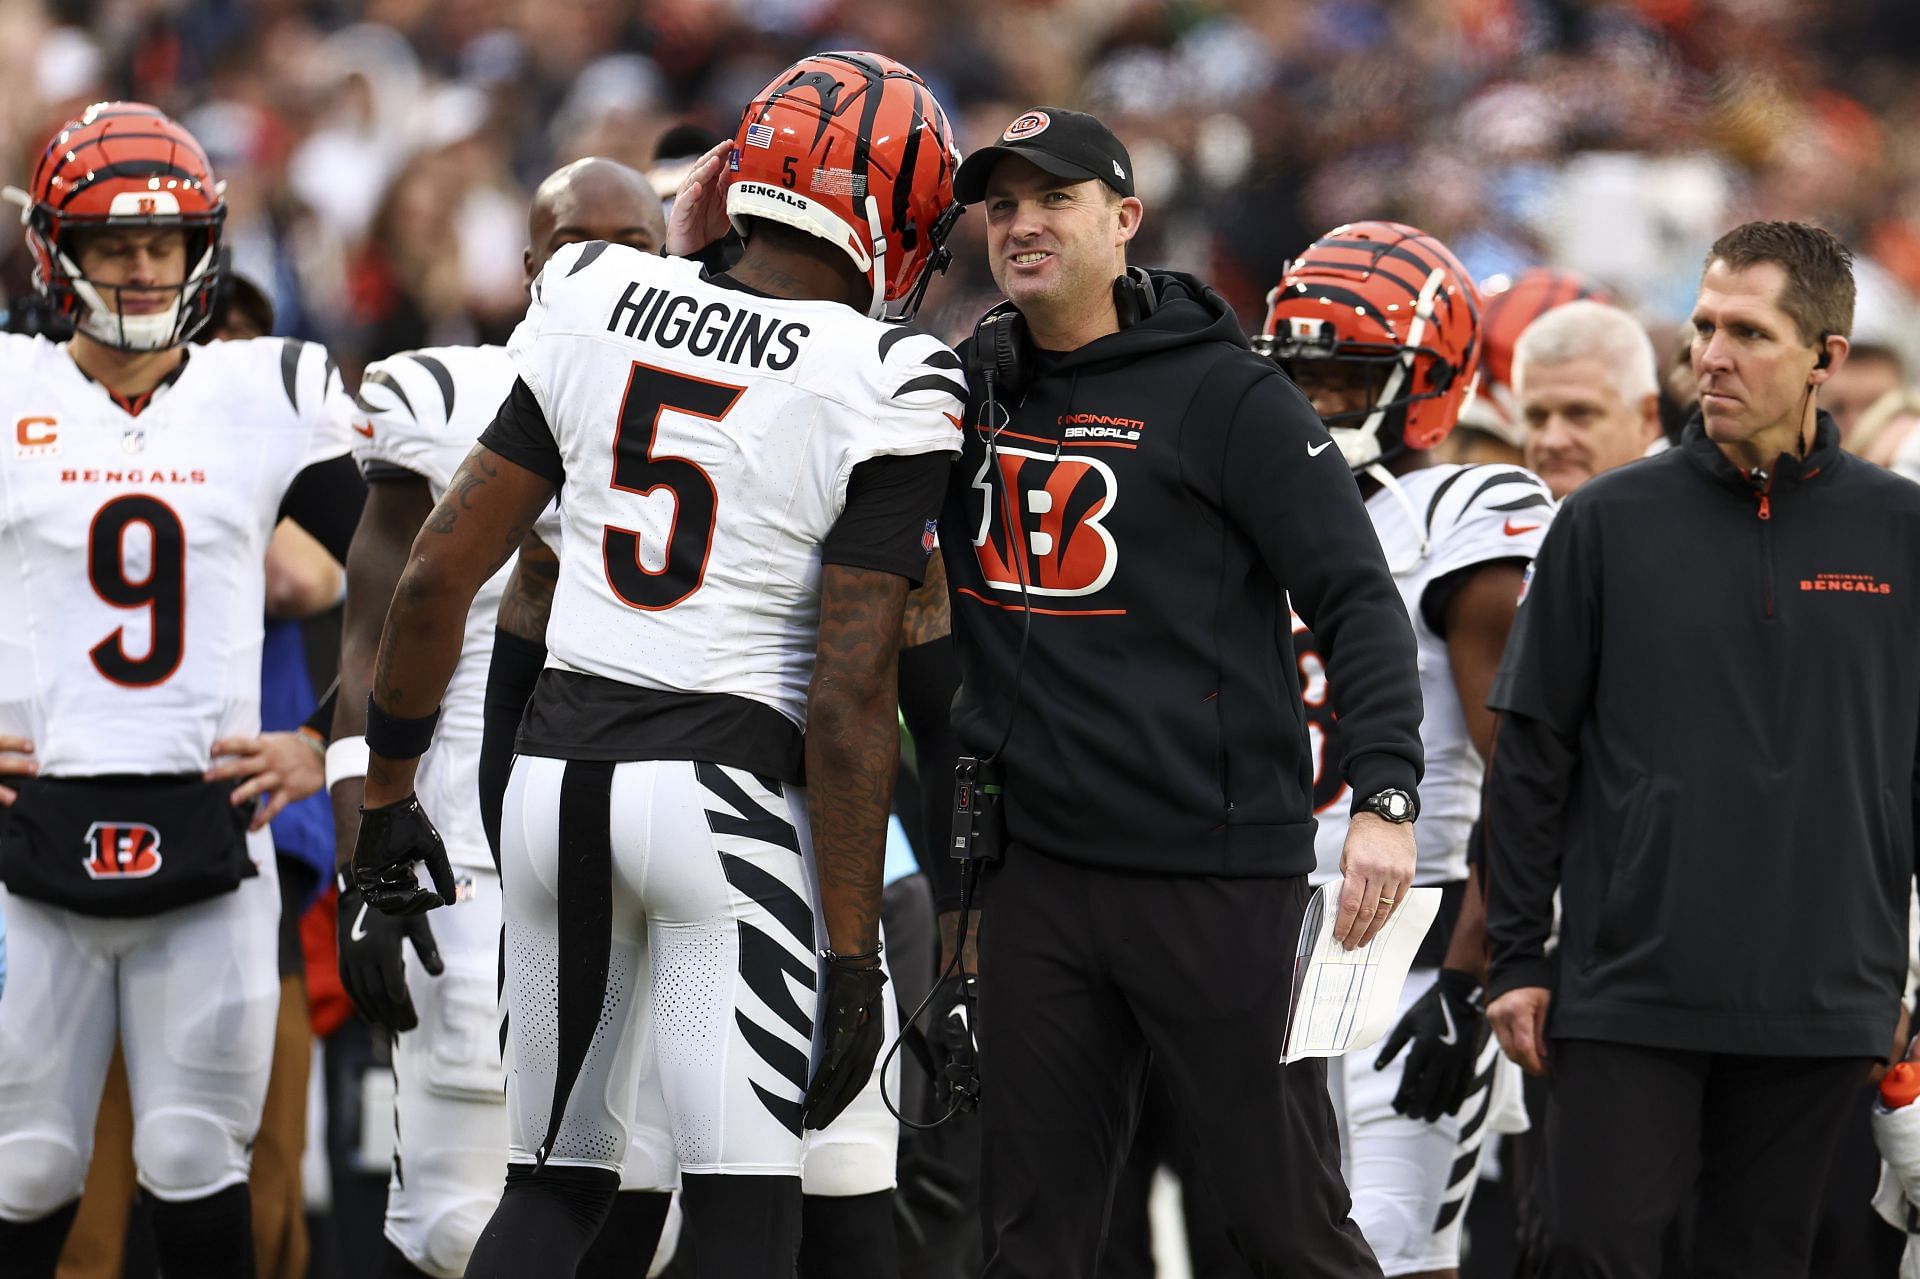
[1125,658]
[1711,710]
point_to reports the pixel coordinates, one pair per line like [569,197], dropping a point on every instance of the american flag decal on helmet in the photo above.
[759,135]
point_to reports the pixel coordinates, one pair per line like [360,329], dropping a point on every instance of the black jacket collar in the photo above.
[1787,471]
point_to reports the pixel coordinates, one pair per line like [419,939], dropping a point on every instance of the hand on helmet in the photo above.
[699,214]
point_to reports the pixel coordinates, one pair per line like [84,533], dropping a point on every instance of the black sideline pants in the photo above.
[1086,975]
[1635,1133]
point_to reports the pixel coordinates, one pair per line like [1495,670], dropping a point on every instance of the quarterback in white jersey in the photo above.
[750,471]
[138,490]
[1379,325]
[421,413]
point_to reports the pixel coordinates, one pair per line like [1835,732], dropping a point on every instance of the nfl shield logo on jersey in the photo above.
[122,850]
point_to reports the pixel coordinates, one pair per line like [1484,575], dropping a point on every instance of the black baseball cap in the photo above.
[1067,144]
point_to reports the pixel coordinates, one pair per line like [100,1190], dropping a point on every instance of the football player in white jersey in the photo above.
[751,465]
[1379,325]
[421,413]
[140,905]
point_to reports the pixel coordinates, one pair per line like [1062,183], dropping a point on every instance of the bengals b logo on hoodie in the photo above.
[1056,506]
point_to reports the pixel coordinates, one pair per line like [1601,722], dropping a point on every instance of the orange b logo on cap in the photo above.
[1026,126]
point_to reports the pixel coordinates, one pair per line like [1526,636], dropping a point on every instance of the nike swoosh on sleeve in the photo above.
[1515,530]
[366,430]
[1315,450]
[955,419]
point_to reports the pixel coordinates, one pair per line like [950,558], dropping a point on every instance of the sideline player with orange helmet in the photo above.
[1508,305]
[752,462]
[1380,326]
[155,476]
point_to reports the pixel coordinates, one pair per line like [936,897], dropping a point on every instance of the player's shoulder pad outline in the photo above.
[433,385]
[926,365]
[292,353]
[1488,491]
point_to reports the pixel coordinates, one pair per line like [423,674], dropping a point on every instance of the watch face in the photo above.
[1394,805]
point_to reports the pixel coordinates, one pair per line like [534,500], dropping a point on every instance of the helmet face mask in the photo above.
[853,148]
[1389,303]
[123,165]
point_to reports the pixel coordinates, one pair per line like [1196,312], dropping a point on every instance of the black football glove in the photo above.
[393,837]
[956,1054]
[370,965]
[852,1027]
[1447,1031]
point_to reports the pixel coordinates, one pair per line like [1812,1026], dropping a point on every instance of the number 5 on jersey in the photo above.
[652,392]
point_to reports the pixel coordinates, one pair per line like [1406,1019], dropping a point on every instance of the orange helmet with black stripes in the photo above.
[1511,303]
[1394,302]
[123,164]
[853,147]
[1508,304]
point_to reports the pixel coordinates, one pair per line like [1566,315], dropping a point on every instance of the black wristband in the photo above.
[396,738]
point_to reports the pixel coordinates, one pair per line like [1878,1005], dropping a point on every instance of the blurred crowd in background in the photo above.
[379,154]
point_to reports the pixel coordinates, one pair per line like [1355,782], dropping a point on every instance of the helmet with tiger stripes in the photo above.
[1508,304]
[1395,302]
[123,164]
[854,148]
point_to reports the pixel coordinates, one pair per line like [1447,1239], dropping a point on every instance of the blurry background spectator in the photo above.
[377,150]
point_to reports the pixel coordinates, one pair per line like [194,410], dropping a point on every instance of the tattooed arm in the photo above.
[397,505]
[528,602]
[853,746]
[482,518]
[929,614]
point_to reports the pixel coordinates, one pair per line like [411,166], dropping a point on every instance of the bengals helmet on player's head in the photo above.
[853,148]
[123,164]
[1395,302]
[1508,304]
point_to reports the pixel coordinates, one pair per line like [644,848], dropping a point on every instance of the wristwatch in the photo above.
[1394,805]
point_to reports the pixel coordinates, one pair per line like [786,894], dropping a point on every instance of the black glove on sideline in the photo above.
[393,837]
[1446,1031]
[371,968]
[852,1026]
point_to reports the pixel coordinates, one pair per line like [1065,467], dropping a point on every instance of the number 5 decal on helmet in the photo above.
[852,147]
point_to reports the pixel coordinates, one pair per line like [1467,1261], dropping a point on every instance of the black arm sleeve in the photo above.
[888,522]
[1527,783]
[1282,482]
[517,663]
[929,677]
[520,433]
[321,721]
[325,499]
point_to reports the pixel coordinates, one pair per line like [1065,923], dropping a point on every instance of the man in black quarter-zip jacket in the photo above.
[1729,818]
[1137,497]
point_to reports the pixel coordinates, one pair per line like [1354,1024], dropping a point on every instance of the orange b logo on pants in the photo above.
[122,850]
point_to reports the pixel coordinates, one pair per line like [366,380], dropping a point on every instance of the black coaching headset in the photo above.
[998,360]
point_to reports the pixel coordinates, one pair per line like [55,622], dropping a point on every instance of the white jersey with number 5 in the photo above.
[132,543]
[1453,518]
[708,434]
[421,412]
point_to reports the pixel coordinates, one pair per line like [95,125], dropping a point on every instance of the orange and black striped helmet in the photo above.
[123,164]
[853,148]
[1508,304]
[1511,303]
[1393,299]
